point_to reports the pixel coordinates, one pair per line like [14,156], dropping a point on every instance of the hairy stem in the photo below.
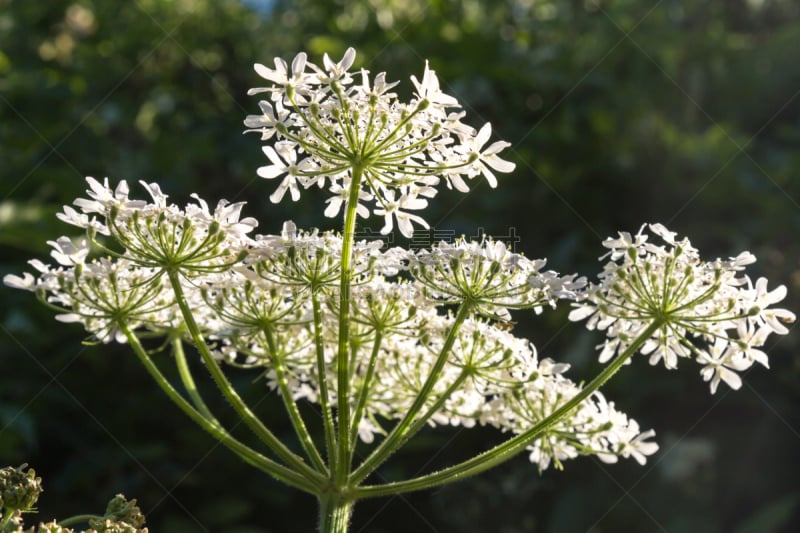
[276,470]
[244,412]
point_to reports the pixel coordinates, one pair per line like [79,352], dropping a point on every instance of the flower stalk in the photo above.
[512,447]
[342,353]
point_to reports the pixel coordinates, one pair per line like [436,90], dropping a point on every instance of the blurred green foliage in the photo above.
[620,112]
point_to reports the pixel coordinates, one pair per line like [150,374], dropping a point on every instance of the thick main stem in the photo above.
[342,357]
[511,447]
[334,514]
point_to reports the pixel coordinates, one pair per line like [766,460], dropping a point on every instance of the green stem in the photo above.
[291,405]
[278,471]
[364,392]
[400,432]
[188,380]
[420,421]
[511,447]
[8,513]
[79,519]
[244,412]
[324,395]
[334,515]
[342,359]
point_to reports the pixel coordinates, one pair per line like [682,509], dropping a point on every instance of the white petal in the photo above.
[489,176]
[27,282]
[299,63]
[579,313]
[334,204]
[483,135]
[277,196]
[500,165]
[731,378]
[68,318]
[271,171]
[348,59]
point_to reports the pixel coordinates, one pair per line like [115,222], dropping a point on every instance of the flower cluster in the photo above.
[706,310]
[490,276]
[341,131]
[386,341]
[20,489]
[272,302]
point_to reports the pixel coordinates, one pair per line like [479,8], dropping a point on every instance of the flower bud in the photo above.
[120,509]
[19,487]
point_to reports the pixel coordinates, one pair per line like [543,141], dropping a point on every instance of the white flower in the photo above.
[281,75]
[269,119]
[102,196]
[428,89]
[393,210]
[487,159]
[721,364]
[379,87]
[27,282]
[226,215]
[772,318]
[693,303]
[66,253]
[284,161]
[639,448]
[335,203]
[337,71]
[341,132]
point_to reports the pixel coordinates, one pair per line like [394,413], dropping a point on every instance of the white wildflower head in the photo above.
[488,276]
[337,131]
[594,427]
[387,341]
[158,234]
[103,295]
[707,310]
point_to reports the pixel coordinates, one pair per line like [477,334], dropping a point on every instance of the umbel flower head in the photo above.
[160,235]
[340,130]
[277,306]
[706,310]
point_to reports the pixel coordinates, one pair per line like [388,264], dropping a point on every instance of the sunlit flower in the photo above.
[703,309]
[333,132]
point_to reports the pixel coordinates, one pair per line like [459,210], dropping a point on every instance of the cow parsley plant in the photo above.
[386,341]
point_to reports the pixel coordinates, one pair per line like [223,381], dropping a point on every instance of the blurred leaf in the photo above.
[774,517]
[18,434]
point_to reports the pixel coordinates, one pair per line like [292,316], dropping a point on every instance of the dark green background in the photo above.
[620,112]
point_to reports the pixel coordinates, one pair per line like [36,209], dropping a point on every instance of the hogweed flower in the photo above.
[386,341]
[160,235]
[707,310]
[332,132]
[490,277]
